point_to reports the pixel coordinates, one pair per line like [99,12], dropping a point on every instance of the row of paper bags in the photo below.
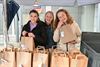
[41,57]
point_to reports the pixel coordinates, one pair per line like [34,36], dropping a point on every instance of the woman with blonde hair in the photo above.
[49,20]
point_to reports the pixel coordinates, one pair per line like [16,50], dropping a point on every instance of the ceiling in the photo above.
[57,2]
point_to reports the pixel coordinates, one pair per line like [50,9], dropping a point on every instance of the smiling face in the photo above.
[33,17]
[49,18]
[62,16]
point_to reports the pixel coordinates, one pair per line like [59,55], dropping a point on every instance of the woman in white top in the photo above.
[63,19]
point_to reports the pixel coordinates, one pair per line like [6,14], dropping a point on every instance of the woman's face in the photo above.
[48,18]
[33,17]
[62,16]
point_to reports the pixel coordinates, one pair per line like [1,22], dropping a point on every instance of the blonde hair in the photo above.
[52,22]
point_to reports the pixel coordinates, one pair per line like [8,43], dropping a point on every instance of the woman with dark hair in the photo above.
[49,20]
[35,29]
[62,21]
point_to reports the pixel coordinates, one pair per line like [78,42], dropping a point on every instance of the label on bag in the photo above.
[40,65]
[62,33]
[21,65]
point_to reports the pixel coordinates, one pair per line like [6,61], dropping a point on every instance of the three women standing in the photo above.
[44,34]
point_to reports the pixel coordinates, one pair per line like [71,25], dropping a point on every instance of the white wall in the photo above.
[87,18]
[97,18]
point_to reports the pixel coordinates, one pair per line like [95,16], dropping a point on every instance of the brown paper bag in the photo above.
[40,58]
[28,42]
[67,34]
[23,58]
[7,58]
[78,60]
[59,59]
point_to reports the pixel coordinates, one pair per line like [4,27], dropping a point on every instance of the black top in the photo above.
[49,35]
[38,31]
[92,39]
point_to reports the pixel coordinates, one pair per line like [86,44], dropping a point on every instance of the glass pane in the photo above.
[1,19]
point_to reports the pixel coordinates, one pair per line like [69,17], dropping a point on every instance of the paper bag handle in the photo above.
[79,56]
[76,55]
[23,50]
[7,49]
[60,52]
[53,46]
[40,49]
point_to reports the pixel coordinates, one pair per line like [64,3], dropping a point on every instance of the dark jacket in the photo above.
[38,31]
[49,35]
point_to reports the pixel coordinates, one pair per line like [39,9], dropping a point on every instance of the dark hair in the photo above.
[69,20]
[34,11]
